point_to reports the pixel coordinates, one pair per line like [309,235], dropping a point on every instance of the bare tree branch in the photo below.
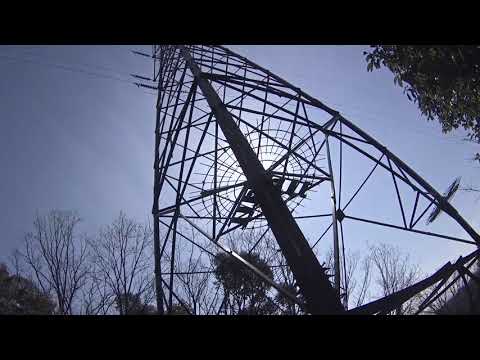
[122,268]
[56,257]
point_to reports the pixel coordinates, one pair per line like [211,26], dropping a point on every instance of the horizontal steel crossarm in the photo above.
[341,135]
[410,230]
[199,217]
[271,115]
[246,78]
[188,239]
[172,208]
[270,89]
[303,176]
[207,271]
[223,188]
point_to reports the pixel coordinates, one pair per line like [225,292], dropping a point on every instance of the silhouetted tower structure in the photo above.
[238,148]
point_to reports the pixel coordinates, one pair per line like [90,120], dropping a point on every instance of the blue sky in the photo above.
[84,141]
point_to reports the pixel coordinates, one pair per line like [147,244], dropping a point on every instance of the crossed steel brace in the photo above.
[191,79]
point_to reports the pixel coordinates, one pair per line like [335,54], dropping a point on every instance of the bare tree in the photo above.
[122,270]
[393,272]
[362,291]
[356,277]
[194,278]
[17,263]
[55,257]
[97,299]
[386,265]
[195,283]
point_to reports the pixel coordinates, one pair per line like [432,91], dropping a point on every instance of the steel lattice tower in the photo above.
[238,148]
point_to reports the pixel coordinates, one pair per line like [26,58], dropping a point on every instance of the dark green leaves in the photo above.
[441,80]
[19,296]
[245,288]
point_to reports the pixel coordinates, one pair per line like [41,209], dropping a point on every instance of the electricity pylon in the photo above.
[237,148]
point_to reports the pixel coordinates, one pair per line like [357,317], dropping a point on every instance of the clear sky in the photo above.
[76,134]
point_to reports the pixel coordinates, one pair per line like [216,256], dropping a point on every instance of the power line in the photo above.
[75,69]
[68,68]
[87,65]
[371,115]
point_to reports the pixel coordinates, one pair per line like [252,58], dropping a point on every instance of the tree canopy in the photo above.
[442,80]
[132,304]
[179,309]
[19,296]
[247,291]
